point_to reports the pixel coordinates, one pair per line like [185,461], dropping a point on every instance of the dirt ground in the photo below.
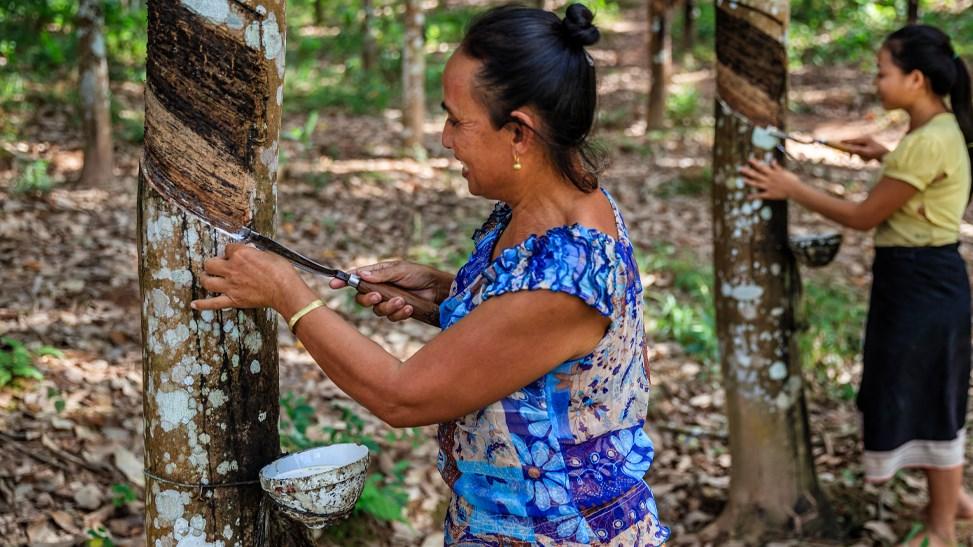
[69,280]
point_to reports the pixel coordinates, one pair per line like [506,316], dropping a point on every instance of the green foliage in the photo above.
[34,179]
[296,418]
[54,395]
[691,182]
[122,494]
[833,317]
[681,309]
[99,538]
[682,106]
[16,361]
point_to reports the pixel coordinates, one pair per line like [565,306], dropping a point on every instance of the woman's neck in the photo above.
[923,110]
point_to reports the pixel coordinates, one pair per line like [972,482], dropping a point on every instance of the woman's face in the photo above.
[486,153]
[894,87]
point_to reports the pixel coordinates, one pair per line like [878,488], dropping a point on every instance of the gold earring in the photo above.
[517,165]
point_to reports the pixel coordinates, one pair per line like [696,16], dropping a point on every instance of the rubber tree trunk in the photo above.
[94,94]
[773,486]
[369,51]
[414,76]
[214,81]
[912,15]
[660,61]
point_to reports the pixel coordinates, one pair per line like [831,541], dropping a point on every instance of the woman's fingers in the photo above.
[216,265]
[213,283]
[220,302]
[751,177]
[402,314]
[389,307]
[759,166]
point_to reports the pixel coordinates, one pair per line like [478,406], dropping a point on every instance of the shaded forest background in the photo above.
[352,193]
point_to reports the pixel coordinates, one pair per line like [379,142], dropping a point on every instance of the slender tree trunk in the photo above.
[94,94]
[414,75]
[369,51]
[912,15]
[211,379]
[319,12]
[773,485]
[688,25]
[660,60]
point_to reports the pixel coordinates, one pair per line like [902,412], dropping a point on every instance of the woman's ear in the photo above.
[522,124]
[917,80]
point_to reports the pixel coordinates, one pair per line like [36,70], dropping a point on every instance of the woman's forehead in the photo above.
[458,77]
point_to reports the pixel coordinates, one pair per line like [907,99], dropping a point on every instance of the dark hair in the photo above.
[532,58]
[927,49]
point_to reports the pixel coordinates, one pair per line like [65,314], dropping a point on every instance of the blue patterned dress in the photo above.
[560,461]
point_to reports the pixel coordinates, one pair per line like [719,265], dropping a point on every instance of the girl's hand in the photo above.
[771,180]
[246,278]
[866,148]
[424,282]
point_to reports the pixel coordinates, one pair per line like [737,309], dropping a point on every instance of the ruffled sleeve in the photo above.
[574,261]
[918,161]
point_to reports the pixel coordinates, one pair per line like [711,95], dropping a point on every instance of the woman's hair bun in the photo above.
[578,27]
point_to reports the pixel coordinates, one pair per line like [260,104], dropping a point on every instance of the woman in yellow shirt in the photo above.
[913,395]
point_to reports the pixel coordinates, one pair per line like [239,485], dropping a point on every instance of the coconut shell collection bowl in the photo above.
[815,250]
[318,486]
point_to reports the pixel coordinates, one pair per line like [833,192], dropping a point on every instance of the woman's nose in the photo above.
[447,137]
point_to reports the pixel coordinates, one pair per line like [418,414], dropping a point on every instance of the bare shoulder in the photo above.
[595,211]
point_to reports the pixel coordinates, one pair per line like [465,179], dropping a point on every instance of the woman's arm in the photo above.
[774,182]
[504,344]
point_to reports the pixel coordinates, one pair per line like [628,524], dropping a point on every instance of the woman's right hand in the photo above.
[866,148]
[422,281]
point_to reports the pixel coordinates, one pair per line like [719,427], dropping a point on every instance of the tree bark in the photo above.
[660,61]
[369,51]
[912,15]
[414,76]
[212,106]
[319,12]
[94,94]
[773,486]
[688,25]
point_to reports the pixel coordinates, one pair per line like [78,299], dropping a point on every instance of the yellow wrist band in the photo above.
[302,312]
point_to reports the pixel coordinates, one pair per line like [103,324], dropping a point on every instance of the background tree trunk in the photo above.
[319,12]
[912,12]
[773,486]
[414,75]
[211,379]
[94,94]
[688,26]
[369,52]
[660,60]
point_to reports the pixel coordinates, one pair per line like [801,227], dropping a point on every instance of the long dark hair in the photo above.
[927,49]
[533,58]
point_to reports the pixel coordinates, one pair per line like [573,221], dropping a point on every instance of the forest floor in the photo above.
[69,280]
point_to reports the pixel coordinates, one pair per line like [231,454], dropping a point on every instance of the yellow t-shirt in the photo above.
[934,159]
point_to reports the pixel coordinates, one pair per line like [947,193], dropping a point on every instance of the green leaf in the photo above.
[384,503]
[49,351]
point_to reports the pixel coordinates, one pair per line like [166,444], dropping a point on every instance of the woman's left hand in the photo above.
[771,180]
[245,277]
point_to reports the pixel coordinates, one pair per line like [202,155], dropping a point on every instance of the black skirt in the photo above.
[916,374]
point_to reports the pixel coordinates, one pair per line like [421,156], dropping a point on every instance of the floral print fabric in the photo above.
[562,460]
